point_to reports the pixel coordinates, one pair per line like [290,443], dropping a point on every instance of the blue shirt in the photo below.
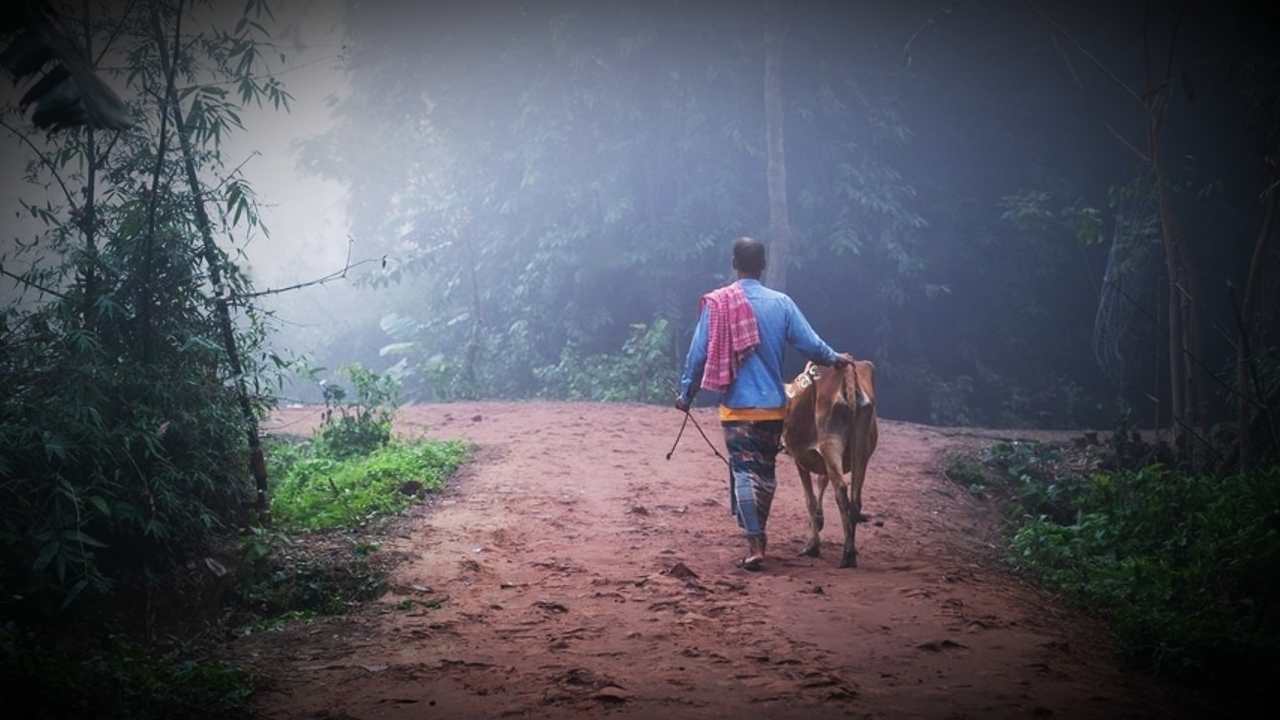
[758,383]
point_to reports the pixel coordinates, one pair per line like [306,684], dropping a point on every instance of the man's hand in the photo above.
[843,359]
[682,404]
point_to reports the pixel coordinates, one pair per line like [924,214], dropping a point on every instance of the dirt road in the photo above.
[540,585]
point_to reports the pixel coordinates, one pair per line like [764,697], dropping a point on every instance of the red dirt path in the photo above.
[542,591]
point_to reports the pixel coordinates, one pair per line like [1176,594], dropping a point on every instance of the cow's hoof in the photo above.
[849,560]
[811,550]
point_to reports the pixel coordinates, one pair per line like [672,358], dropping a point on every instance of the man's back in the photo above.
[758,383]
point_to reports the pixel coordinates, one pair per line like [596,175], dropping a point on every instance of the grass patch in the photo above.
[316,490]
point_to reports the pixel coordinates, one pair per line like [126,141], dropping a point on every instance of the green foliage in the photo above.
[363,425]
[1034,474]
[122,444]
[119,679]
[317,491]
[966,471]
[106,472]
[352,470]
[644,371]
[1185,566]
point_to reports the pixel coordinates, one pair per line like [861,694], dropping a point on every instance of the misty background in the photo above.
[545,189]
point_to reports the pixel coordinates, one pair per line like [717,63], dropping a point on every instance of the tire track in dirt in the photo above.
[571,571]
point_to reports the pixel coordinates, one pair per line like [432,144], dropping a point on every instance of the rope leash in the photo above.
[687,417]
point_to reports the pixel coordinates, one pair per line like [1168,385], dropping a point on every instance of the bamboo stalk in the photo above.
[257,463]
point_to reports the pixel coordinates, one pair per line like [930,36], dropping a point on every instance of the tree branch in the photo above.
[116,32]
[1066,60]
[335,275]
[43,159]
[932,20]
[1097,63]
[223,182]
[29,283]
[1141,155]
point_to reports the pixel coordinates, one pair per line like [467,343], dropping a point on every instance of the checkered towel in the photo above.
[732,335]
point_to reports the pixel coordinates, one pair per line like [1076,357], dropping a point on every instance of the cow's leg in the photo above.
[857,479]
[849,555]
[822,492]
[873,439]
[813,548]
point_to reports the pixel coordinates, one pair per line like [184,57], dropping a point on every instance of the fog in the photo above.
[545,189]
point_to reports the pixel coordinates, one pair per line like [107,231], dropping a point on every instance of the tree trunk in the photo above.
[257,464]
[89,220]
[1246,378]
[477,326]
[776,170]
[146,301]
[1184,325]
[1183,328]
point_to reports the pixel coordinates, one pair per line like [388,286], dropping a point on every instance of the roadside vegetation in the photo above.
[316,553]
[1184,565]
[139,527]
[353,470]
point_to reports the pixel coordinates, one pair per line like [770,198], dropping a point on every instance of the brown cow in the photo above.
[831,430]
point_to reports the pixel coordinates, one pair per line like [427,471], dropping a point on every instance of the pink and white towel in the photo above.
[732,335]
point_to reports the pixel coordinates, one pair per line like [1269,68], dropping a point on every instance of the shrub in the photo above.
[1034,474]
[1186,567]
[966,471]
[644,371]
[112,462]
[362,426]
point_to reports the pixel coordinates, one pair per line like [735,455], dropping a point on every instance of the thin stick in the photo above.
[335,275]
[231,175]
[1141,155]
[1098,63]
[679,435]
[706,439]
[1065,60]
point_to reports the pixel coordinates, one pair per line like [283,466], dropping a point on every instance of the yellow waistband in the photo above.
[728,414]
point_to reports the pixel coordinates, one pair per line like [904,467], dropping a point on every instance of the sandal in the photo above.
[752,563]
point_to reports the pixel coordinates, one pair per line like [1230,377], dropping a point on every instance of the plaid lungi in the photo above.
[753,449]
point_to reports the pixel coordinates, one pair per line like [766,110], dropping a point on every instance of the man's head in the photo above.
[748,257]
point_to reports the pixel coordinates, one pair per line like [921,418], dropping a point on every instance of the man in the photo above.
[737,351]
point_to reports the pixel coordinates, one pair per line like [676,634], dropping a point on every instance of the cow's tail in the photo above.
[854,393]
